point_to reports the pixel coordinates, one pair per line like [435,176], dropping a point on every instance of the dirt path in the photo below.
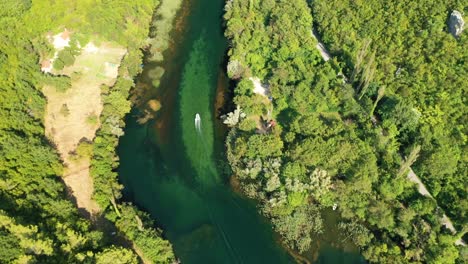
[78,179]
[325,54]
[445,220]
[323,51]
[72,116]
[421,187]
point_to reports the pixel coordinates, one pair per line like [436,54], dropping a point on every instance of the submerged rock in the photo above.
[456,23]
[154,105]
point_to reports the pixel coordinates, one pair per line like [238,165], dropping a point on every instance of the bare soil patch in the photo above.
[73,115]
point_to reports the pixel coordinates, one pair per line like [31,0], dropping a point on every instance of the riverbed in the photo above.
[170,169]
[172,166]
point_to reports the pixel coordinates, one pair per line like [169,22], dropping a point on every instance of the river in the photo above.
[171,166]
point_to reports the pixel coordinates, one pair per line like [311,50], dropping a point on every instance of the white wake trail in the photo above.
[198,123]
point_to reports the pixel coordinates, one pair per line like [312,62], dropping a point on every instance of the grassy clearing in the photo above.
[73,115]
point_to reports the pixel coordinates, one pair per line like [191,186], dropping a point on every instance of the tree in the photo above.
[264,146]
[298,227]
[234,117]
[234,69]
[115,255]
[320,183]
[380,94]
[405,166]
[358,233]
[66,56]
[9,247]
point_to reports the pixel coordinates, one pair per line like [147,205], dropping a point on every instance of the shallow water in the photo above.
[170,167]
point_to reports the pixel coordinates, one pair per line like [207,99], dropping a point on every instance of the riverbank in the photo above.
[172,170]
[129,221]
[72,116]
[281,150]
[169,22]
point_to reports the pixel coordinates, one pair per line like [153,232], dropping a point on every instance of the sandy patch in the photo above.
[77,178]
[110,69]
[73,115]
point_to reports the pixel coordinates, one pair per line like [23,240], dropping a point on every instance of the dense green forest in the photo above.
[38,222]
[424,71]
[315,139]
[352,141]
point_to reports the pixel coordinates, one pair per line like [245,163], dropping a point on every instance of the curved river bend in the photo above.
[169,167]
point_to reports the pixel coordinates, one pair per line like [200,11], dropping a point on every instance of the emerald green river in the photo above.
[170,167]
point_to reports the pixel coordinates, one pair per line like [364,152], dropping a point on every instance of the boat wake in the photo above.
[198,123]
[205,186]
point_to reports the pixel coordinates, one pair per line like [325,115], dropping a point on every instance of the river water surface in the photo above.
[170,167]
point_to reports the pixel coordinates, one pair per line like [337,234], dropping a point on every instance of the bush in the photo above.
[92,119]
[66,57]
[61,83]
[58,64]
[85,149]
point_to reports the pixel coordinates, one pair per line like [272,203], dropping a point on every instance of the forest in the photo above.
[348,131]
[38,221]
[307,134]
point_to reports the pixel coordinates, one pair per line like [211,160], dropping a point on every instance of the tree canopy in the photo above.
[38,222]
[347,141]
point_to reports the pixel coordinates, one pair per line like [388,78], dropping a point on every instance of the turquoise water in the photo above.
[170,167]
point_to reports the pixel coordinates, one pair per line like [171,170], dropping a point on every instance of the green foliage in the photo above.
[353,143]
[59,64]
[84,149]
[423,69]
[66,57]
[248,125]
[298,226]
[60,83]
[264,146]
[360,235]
[92,119]
[38,224]
[9,247]
[138,227]
[115,255]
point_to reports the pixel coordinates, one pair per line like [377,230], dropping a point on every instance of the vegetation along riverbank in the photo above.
[38,223]
[317,139]
[344,140]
